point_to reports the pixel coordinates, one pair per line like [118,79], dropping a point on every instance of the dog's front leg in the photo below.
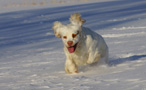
[70,66]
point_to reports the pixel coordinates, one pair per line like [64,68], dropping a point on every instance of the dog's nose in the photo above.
[70,43]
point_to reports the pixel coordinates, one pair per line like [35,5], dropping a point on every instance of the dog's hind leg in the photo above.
[104,59]
[93,58]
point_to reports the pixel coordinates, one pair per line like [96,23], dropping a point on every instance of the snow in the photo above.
[32,58]
[17,5]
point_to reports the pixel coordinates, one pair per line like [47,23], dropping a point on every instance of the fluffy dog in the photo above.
[81,45]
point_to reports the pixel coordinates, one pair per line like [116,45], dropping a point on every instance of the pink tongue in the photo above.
[71,49]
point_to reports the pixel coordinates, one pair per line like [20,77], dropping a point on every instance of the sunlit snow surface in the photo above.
[32,58]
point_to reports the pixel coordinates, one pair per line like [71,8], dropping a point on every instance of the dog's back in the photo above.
[95,45]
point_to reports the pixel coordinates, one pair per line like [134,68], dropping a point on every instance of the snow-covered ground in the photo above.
[17,5]
[32,58]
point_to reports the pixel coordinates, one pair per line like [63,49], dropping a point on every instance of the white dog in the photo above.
[81,45]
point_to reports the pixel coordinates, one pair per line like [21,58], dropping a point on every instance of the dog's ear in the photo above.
[55,27]
[76,19]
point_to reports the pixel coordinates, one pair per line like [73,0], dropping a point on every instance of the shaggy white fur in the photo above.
[81,45]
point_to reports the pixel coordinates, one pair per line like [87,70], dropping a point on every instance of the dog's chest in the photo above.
[80,58]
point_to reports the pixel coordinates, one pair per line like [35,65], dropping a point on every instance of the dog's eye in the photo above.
[65,37]
[74,35]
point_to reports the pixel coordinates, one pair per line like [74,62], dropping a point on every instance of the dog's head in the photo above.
[69,33]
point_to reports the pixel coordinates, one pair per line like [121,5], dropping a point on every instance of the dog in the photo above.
[81,45]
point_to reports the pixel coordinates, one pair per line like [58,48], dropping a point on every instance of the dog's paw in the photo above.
[71,72]
[75,72]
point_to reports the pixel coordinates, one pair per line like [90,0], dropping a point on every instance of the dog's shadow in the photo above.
[118,61]
[112,62]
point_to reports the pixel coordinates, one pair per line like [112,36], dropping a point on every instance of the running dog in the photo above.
[81,45]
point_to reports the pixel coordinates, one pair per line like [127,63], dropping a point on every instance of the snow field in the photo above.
[32,58]
[18,5]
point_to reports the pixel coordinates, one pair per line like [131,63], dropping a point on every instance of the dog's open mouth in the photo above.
[72,48]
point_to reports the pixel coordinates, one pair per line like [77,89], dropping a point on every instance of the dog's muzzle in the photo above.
[72,49]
